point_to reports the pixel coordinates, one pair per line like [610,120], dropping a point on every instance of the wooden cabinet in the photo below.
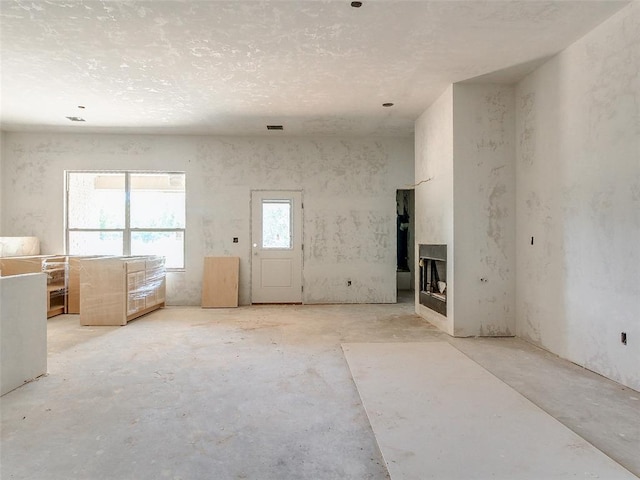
[56,287]
[134,283]
[220,282]
[73,281]
[55,267]
[154,274]
[115,290]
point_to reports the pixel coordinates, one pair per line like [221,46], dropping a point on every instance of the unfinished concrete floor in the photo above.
[258,392]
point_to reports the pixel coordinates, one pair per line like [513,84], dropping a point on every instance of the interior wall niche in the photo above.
[433,277]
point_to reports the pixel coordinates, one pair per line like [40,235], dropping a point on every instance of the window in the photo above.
[276,224]
[127,213]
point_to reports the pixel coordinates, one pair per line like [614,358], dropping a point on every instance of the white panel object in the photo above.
[436,414]
[23,329]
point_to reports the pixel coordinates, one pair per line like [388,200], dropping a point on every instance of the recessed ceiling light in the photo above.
[356,4]
[275,127]
[76,119]
[388,104]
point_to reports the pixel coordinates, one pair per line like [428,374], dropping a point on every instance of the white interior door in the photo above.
[276,265]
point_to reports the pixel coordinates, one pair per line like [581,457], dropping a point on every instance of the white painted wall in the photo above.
[23,329]
[434,195]
[484,209]
[349,189]
[578,195]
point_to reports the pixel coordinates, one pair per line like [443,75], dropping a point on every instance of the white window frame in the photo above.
[127,230]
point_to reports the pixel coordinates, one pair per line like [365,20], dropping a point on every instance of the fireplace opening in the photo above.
[433,277]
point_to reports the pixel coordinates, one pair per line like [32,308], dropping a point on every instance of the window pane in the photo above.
[276,224]
[167,244]
[157,200]
[95,243]
[96,200]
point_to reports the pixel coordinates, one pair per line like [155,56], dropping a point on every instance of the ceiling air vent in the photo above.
[76,119]
[275,127]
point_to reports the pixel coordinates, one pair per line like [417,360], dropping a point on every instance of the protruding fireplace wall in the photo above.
[484,209]
[465,199]
[434,196]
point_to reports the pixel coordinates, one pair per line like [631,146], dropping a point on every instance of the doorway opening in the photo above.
[276,237]
[405,230]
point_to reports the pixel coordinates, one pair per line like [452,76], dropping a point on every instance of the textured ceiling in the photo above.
[232,67]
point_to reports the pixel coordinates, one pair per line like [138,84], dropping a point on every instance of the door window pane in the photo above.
[96,200]
[95,243]
[157,200]
[167,244]
[276,224]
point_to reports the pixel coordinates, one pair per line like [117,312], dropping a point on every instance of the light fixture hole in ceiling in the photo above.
[76,119]
[356,4]
[388,104]
[275,127]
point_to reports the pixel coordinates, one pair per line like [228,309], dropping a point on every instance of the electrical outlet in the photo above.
[235,239]
[623,337]
[348,283]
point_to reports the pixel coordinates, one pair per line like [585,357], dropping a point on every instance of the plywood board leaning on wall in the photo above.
[220,282]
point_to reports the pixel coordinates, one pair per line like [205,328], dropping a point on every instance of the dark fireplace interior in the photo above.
[433,277]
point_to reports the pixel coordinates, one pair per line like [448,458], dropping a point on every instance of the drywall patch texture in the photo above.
[465,199]
[578,196]
[230,67]
[434,195]
[349,197]
[484,209]
[349,188]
